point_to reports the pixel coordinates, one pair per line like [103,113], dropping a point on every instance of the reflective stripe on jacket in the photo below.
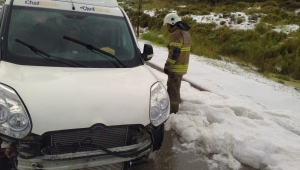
[179,51]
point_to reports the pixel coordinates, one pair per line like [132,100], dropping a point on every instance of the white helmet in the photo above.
[171,18]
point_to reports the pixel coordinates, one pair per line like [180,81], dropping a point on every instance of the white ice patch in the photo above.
[254,120]
[228,160]
[236,131]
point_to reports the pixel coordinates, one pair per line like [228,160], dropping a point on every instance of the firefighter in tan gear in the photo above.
[178,58]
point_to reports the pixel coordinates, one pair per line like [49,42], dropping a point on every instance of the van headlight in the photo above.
[14,119]
[159,104]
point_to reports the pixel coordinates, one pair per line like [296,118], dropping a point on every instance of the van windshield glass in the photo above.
[45,29]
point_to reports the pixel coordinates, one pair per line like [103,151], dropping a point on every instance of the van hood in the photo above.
[60,98]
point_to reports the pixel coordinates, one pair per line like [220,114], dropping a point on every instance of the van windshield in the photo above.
[44,29]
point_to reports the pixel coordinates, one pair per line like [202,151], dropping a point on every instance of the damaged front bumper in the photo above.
[104,147]
[81,160]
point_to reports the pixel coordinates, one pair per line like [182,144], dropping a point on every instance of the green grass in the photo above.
[262,48]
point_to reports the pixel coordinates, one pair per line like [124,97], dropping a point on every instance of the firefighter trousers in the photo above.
[173,88]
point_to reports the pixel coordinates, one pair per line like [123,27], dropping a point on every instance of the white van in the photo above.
[74,90]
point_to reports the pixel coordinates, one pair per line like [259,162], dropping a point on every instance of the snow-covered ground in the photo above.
[242,118]
[234,20]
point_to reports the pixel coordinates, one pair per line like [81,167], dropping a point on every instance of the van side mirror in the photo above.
[148,52]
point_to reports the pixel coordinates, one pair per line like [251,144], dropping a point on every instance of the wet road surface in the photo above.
[168,158]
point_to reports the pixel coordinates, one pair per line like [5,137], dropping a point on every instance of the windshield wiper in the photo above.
[48,56]
[93,49]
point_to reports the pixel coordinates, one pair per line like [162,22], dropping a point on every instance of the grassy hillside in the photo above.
[273,54]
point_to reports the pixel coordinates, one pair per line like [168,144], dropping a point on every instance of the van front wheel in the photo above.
[158,135]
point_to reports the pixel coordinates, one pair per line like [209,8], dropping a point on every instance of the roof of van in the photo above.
[107,3]
[104,3]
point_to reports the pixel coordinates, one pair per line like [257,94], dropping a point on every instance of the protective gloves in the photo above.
[168,67]
[166,71]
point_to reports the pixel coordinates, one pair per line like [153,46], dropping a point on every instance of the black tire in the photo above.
[5,163]
[158,135]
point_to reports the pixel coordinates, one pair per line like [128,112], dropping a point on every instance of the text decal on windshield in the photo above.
[85,8]
[41,3]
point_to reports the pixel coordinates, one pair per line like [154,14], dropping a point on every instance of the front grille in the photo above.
[108,137]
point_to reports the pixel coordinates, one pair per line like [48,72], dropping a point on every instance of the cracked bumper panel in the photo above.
[82,160]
